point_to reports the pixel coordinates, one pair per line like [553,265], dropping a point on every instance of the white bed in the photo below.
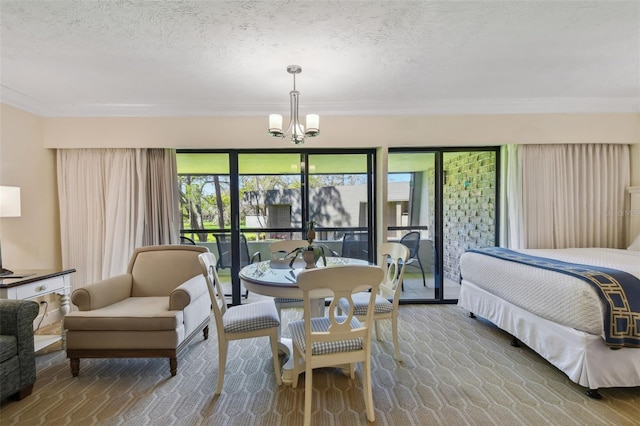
[557,315]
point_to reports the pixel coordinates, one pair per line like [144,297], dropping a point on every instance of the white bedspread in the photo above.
[557,297]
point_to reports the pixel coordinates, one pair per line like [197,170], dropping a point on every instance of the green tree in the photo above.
[204,196]
[191,195]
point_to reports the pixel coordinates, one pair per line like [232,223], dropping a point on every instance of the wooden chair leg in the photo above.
[222,364]
[368,393]
[74,363]
[308,390]
[274,354]
[296,366]
[396,340]
[352,371]
[173,365]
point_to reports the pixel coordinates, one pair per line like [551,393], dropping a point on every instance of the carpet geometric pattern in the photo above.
[456,371]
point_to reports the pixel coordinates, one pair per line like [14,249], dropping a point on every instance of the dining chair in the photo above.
[392,258]
[335,340]
[258,319]
[412,241]
[223,244]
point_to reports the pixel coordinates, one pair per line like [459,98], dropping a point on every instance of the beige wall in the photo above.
[26,160]
[31,241]
[337,132]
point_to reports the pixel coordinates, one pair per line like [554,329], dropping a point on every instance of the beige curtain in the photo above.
[562,196]
[112,201]
[162,224]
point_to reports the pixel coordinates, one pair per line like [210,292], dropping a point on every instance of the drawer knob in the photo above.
[41,288]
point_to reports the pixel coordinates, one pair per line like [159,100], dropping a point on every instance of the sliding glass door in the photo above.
[340,202]
[238,202]
[411,213]
[440,202]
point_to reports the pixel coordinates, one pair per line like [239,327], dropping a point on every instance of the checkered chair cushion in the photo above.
[361,302]
[254,316]
[285,300]
[321,324]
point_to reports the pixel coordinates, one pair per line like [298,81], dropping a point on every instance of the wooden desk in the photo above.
[29,284]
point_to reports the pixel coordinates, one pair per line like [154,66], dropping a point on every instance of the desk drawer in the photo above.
[38,288]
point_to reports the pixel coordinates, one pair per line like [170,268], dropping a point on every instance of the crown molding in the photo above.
[427,107]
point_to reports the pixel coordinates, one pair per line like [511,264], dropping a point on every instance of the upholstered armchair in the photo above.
[152,311]
[17,356]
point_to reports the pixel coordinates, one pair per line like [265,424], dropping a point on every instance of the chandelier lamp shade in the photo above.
[295,129]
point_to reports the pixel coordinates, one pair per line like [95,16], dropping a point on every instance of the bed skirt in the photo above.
[583,357]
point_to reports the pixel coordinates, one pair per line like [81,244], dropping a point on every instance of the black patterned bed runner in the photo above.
[619,290]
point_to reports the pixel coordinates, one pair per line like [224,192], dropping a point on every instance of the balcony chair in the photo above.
[152,311]
[393,260]
[355,245]
[335,340]
[17,355]
[239,322]
[223,243]
[186,241]
[412,241]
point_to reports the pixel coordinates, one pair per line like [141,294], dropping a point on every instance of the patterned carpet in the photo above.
[456,371]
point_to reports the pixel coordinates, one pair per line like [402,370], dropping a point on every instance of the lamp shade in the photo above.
[9,201]
[275,123]
[313,122]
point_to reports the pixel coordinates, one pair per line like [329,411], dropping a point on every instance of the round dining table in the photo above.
[277,278]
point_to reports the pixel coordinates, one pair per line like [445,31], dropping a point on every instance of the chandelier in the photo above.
[295,129]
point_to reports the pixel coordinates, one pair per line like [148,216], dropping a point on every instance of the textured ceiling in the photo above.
[143,58]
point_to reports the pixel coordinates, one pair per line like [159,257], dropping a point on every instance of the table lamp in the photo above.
[9,207]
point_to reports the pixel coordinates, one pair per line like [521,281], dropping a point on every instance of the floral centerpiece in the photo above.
[311,253]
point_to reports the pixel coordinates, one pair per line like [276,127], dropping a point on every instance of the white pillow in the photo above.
[635,245]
